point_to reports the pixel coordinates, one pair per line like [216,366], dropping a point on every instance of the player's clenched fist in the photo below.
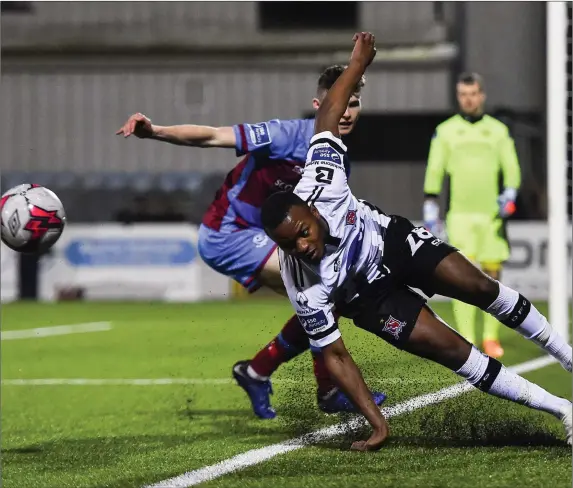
[138,125]
[364,48]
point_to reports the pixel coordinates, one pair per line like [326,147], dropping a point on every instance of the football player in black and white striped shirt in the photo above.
[337,252]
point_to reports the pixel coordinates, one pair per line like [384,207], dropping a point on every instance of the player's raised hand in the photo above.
[364,48]
[139,125]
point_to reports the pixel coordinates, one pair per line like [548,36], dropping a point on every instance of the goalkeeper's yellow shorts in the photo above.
[480,237]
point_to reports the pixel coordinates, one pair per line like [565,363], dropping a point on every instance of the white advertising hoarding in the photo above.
[527,269]
[9,264]
[161,262]
[134,262]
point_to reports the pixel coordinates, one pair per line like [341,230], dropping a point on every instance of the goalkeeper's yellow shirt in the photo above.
[473,154]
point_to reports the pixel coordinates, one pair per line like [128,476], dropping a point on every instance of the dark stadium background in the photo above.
[422,48]
[148,395]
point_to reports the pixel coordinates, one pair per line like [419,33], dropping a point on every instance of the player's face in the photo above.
[470,98]
[350,116]
[301,234]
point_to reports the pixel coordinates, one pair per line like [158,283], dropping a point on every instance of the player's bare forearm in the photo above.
[336,100]
[194,135]
[141,127]
[347,375]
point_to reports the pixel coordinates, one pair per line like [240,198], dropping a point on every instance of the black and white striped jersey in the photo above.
[354,248]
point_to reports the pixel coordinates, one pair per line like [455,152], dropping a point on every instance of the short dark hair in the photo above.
[331,74]
[468,78]
[276,208]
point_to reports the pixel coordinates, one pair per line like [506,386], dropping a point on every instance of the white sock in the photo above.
[474,368]
[490,376]
[256,376]
[511,386]
[518,313]
[504,303]
[536,328]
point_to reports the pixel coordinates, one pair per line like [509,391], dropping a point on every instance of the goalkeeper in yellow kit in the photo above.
[477,152]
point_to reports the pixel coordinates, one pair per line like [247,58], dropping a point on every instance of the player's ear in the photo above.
[315,103]
[314,211]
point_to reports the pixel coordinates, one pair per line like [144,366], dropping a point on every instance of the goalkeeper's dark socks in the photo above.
[291,341]
[490,376]
[518,313]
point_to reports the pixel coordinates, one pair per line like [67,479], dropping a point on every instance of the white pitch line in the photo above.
[54,331]
[164,381]
[115,381]
[257,456]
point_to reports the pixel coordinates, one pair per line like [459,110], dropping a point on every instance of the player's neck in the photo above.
[472,118]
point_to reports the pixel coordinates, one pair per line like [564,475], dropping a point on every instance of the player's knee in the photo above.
[272,281]
[270,275]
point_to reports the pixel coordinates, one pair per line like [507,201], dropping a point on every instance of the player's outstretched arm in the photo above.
[347,375]
[182,135]
[334,104]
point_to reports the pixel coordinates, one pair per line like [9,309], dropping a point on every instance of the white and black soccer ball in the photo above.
[33,218]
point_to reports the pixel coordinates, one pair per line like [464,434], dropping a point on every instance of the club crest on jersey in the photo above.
[394,327]
[259,134]
[351,217]
[260,240]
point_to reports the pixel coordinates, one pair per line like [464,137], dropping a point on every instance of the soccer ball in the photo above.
[33,218]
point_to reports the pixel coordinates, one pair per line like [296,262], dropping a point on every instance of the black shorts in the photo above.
[388,307]
[391,315]
[411,254]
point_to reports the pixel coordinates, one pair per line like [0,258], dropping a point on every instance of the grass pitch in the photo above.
[128,435]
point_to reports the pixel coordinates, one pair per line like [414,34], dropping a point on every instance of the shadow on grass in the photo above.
[471,424]
[467,423]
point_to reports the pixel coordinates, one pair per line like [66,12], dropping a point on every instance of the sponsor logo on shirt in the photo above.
[259,134]
[314,323]
[302,302]
[301,299]
[283,186]
[325,153]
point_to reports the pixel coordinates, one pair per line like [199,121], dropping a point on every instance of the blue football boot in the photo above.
[336,401]
[259,392]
